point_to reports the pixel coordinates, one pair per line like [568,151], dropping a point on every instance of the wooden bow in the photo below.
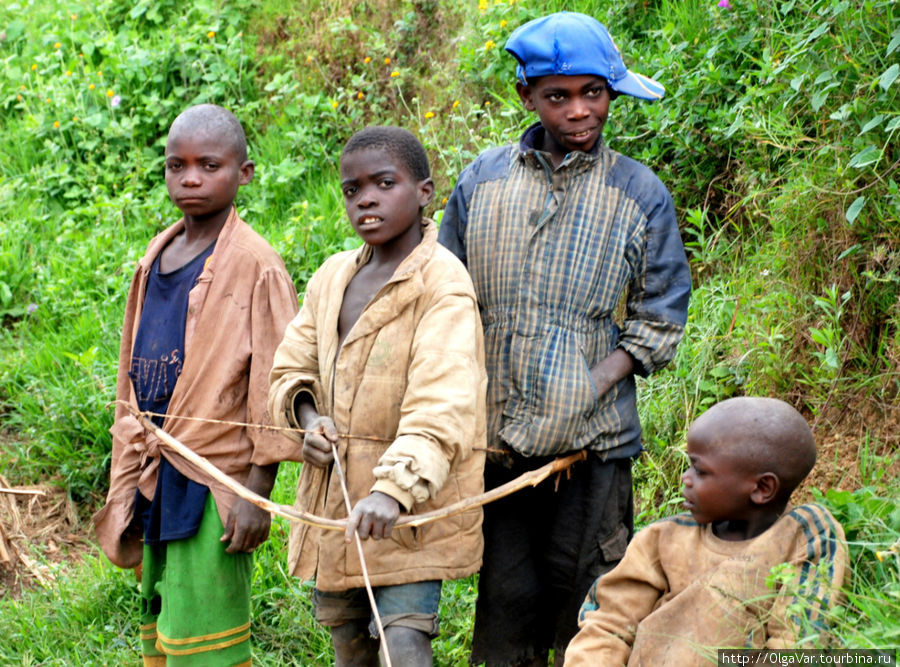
[530,478]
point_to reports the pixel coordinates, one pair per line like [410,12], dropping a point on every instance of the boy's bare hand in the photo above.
[320,433]
[246,528]
[373,515]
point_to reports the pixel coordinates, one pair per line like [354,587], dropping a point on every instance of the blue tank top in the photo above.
[156,362]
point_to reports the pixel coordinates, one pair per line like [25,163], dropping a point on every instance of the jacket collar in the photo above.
[165,237]
[414,261]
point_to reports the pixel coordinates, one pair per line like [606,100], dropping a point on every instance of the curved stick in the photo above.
[530,478]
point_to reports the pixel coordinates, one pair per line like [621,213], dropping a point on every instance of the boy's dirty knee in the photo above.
[408,647]
[353,645]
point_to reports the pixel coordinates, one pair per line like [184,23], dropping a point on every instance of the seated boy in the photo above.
[207,307]
[689,586]
[387,348]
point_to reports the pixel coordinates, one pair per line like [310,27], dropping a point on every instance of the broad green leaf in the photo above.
[865,157]
[894,43]
[875,122]
[889,76]
[819,99]
[14,30]
[893,125]
[818,32]
[853,212]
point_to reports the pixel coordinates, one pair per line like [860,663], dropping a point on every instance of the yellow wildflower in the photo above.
[387,61]
[22,87]
[74,16]
[19,98]
[56,124]
[482,6]
[334,104]
[395,73]
[359,95]
[443,201]
[74,119]
[68,72]
[455,103]
[57,45]
[367,60]
[429,114]
[34,67]
[487,103]
[99,73]
[309,58]
[109,93]
[91,87]
[490,44]
[502,23]
[211,34]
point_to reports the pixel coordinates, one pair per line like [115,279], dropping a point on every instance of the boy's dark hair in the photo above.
[214,119]
[400,143]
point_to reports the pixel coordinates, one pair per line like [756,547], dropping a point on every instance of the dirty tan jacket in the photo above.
[410,371]
[237,313]
[680,593]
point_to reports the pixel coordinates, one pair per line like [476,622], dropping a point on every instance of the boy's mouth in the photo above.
[368,220]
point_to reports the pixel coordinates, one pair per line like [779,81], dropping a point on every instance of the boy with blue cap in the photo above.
[555,232]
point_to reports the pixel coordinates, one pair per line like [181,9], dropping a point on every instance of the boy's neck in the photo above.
[200,230]
[391,254]
[736,530]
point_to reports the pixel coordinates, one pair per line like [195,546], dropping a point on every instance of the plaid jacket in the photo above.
[551,254]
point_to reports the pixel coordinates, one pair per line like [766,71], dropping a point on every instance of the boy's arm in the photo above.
[274,305]
[452,233]
[295,368]
[442,411]
[656,309]
[617,602]
[815,572]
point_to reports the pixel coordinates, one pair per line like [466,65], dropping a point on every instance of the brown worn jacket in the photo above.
[237,313]
[411,372]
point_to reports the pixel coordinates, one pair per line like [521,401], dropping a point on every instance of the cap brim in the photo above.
[638,85]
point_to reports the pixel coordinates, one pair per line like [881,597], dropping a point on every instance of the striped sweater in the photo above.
[680,593]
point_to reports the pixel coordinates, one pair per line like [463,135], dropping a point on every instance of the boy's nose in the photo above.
[367,198]
[686,478]
[577,108]
[191,178]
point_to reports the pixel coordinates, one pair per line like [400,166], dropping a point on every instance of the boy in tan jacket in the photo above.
[691,584]
[386,362]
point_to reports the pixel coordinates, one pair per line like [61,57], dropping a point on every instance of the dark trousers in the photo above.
[544,548]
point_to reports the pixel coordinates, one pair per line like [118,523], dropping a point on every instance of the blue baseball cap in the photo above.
[573,44]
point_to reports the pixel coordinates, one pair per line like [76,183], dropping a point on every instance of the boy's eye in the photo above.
[349,191]
[173,166]
[386,183]
[211,166]
[596,92]
[555,97]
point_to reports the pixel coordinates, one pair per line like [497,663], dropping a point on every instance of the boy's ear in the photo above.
[247,169]
[767,487]
[526,93]
[426,192]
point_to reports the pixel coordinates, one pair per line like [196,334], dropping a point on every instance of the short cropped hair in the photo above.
[400,143]
[215,120]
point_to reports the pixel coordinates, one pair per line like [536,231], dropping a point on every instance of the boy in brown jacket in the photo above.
[207,307]
[387,351]
[689,585]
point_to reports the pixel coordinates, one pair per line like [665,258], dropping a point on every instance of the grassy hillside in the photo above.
[777,137]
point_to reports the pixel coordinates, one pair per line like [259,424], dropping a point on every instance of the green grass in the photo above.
[777,138]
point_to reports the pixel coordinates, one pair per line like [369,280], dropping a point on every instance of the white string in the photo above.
[386,657]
